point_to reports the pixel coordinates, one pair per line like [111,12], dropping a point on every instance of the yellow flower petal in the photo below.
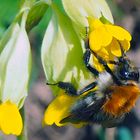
[58,109]
[99,38]
[94,41]
[97,65]
[115,48]
[111,57]
[10,119]
[94,23]
[104,53]
[118,32]
[125,44]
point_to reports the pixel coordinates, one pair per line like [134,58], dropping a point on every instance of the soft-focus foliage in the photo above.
[7,13]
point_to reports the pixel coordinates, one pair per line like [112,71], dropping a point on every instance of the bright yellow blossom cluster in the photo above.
[107,40]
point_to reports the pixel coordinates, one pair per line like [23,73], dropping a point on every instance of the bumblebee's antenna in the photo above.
[86,38]
[122,50]
[87,30]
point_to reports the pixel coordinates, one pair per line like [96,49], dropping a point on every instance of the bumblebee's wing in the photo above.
[85,108]
[113,122]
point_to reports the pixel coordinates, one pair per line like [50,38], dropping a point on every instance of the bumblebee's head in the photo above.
[126,70]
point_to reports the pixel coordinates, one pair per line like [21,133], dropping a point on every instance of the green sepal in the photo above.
[35,14]
[104,20]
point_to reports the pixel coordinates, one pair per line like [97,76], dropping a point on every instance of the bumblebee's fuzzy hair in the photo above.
[122,99]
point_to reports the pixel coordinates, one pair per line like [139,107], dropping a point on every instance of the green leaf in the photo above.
[35,14]
[9,8]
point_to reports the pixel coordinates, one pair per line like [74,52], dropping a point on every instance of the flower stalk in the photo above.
[23,135]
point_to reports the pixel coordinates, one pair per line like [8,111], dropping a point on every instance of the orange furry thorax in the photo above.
[122,100]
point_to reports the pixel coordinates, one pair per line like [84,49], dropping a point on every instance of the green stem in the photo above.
[23,135]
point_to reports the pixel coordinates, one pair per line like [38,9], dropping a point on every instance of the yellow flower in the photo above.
[107,40]
[15,64]
[10,119]
[59,109]
[106,56]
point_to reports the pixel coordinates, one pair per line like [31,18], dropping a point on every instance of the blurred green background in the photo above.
[127,14]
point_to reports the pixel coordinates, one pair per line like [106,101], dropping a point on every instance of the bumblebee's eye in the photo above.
[125,74]
[127,71]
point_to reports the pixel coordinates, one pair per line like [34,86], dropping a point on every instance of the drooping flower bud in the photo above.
[15,64]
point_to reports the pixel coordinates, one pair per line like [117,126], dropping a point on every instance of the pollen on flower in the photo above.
[10,119]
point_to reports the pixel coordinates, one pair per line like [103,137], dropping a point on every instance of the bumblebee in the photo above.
[110,97]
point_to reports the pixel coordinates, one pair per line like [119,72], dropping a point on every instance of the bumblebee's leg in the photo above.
[66,86]
[88,87]
[104,63]
[87,55]
[71,90]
